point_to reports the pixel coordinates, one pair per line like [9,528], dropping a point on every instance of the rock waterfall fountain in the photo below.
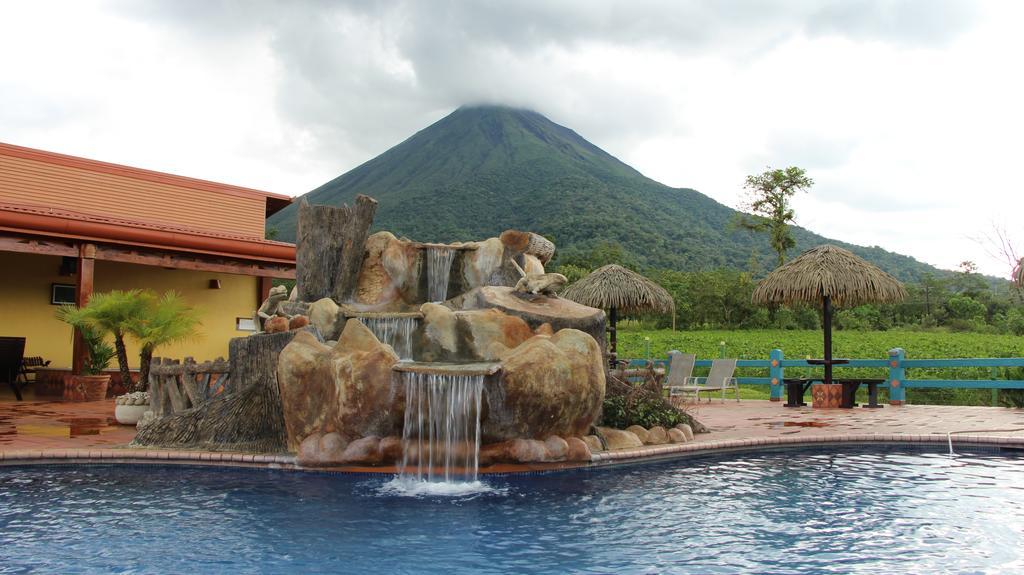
[395,330]
[439,266]
[418,380]
[441,435]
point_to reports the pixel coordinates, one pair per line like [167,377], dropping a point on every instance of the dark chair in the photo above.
[29,365]
[12,349]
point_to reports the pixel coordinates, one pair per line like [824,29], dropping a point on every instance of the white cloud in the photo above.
[907,114]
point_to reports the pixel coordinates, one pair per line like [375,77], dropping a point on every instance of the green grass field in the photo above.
[757,344]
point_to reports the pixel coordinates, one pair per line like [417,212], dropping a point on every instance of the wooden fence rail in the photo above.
[897,364]
[175,386]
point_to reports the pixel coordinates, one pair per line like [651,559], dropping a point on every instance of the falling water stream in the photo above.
[395,331]
[441,437]
[439,267]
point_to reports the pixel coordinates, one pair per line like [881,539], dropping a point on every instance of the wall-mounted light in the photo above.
[214,284]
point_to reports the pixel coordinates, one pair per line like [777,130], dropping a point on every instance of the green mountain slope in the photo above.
[485,169]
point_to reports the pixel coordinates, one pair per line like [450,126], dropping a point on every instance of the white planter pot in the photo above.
[129,414]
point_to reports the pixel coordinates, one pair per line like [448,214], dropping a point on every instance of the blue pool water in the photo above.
[771,512]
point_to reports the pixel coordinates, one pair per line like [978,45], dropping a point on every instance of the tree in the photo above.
[168,320]
[769,208]
[114,312]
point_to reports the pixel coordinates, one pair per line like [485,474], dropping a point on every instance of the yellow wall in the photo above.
[25,309]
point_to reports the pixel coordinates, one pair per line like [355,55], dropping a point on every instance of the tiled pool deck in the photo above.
[53,431]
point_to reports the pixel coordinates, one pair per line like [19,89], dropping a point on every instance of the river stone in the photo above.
[391,449]
[578,450]
[593,442]
[557,448]
[365,450]
[548,386]
[656,436]
[527,451]
[687,431]
[619,439]
[536,310]
[676,436]
[317,449]
[344,389]
[514,451]
[309,450]
[640,432]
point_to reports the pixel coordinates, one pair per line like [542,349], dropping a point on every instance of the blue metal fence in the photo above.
[897,363]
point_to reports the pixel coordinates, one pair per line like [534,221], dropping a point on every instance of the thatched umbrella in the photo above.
[1018,273]
[830,276]
[619,290]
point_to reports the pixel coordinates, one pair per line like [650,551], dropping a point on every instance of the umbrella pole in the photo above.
[612,344]
[826,308]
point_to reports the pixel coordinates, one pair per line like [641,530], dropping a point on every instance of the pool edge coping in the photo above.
[602,459]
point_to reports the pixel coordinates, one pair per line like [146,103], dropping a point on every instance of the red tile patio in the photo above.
[86,431]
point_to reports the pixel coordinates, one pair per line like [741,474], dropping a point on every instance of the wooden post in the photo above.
[897,373]
[263,286]
[612,339]
[826,304]
[776,374]
[329,249]
[83,291]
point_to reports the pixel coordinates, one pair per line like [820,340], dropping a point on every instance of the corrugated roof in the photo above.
[42,178]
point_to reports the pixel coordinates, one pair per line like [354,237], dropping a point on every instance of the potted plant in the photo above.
[92,383]
[129,408]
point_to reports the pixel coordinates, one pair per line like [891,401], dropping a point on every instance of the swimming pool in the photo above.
[855,511]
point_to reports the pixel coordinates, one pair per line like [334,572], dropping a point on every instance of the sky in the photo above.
[909,116]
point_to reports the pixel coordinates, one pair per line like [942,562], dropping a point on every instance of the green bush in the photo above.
[619,412]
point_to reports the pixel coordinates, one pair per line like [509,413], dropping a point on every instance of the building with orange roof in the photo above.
[70,226]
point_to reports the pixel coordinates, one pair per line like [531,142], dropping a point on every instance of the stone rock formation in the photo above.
[479,335]
[323,313]
[536,310]
[344,389]
[549,386]
[390,272]
[541,284]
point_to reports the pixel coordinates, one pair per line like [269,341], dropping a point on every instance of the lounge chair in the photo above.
[680,369]
[720,378]
[11,351]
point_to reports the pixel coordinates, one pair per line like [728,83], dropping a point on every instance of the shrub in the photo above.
[620,412]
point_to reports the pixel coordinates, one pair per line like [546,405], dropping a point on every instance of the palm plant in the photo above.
[151,320]
[100,352]
[114,312]
[168,319]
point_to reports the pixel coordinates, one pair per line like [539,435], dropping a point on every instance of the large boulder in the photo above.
[325,314]
[344,389]
[478,335]
[550,385]
[390,272]
[536,310]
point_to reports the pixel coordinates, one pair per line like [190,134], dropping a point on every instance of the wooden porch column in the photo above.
[83,291]
[263,286]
